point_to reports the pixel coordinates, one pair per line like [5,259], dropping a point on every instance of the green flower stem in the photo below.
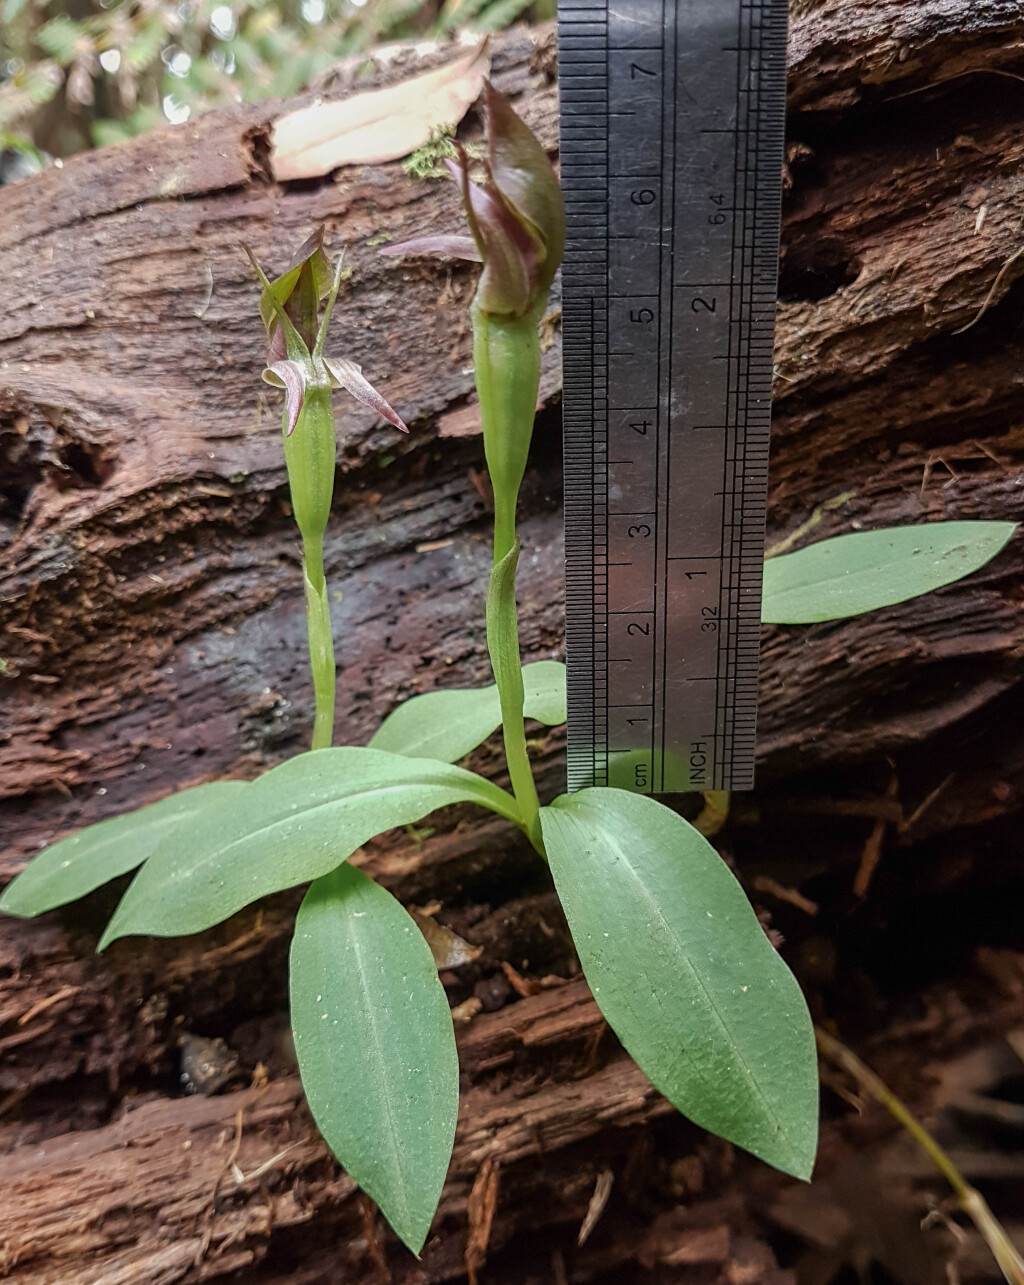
[503,645]
[321,643]
[506,357]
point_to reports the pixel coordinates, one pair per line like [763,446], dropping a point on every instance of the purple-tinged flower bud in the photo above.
[515,214]
[522,173]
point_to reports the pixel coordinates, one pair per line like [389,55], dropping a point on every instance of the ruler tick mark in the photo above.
[703,380]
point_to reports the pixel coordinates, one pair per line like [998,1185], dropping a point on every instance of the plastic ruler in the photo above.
[672,133]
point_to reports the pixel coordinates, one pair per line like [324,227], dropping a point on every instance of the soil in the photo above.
[151,618]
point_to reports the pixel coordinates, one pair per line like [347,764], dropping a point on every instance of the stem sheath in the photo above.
[321,643]
[503,645]
[506,361]
[309,454]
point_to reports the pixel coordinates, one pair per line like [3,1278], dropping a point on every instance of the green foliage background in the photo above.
[84,73]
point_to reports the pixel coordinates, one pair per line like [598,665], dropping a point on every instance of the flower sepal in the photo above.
[296,335]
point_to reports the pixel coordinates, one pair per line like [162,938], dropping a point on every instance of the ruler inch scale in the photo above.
[672,133]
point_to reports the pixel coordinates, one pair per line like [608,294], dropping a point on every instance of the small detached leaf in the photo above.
[293,824]
[447,725]
[448,948]
[684,973]
[83,862]
[865,570]
[375,1045]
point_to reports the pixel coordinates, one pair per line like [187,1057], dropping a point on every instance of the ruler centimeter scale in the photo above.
[672,128]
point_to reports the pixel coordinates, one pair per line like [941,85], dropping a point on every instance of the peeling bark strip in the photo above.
[151,619]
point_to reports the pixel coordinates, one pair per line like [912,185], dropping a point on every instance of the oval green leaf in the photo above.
[684,973]
[447,725]
[293,824]
[83,862]
[375,1045]
[865,570]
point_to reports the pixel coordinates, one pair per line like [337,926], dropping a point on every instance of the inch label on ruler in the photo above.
[672,132]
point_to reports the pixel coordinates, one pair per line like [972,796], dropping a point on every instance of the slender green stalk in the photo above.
[309,453]
[506,354]
[972,1202]
[321,643]
[516,220]
[503,645]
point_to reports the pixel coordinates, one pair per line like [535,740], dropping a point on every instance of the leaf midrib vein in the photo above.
[701,985]
[381,1068]
[473,795]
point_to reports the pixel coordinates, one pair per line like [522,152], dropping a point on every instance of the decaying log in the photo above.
[210,1177]
[845,52]
[153,637]
[144,483]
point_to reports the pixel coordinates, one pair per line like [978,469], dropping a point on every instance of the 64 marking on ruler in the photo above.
[671,163]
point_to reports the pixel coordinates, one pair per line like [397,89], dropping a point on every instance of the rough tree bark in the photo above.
[152,638]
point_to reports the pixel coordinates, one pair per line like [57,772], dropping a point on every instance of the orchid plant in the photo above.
[674,954]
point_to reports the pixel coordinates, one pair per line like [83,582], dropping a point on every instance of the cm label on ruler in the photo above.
[671,158]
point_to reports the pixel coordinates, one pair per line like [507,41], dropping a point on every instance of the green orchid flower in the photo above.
[296,336]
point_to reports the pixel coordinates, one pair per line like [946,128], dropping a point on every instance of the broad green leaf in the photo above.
[447,725]
[83,862]
[295,823]
[860,572]
[685,974]
[375,1045]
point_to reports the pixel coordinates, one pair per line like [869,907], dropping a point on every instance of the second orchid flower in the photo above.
[296,336]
